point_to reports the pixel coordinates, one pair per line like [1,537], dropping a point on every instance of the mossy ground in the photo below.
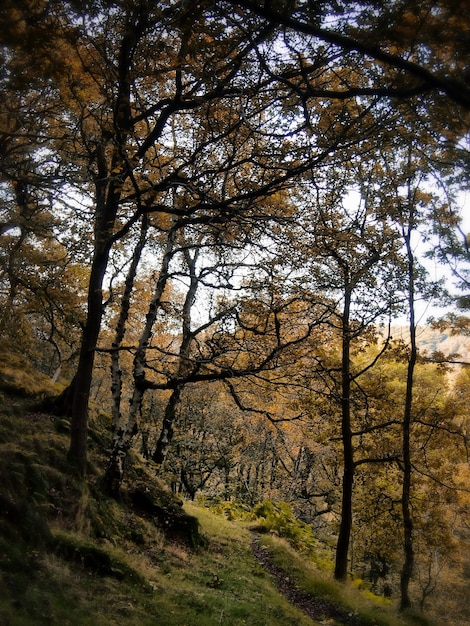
[71,555]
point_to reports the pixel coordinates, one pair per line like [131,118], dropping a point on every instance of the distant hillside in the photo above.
[431,340]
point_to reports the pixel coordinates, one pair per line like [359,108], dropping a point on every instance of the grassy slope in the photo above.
[70,555]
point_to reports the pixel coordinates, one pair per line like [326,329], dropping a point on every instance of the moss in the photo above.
[150,498]
[21,521]
[105,517]
[19,379]
[96,559]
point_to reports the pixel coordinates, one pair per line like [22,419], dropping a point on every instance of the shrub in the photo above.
[279,519]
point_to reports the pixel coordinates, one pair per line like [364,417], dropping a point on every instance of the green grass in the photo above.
[72,556]
[173,586]
[369,609]
[99,581]
[69,555]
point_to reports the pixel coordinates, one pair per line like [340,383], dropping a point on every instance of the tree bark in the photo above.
[408,549]
[116,373]
[166,432]
[80,387]
[342,546]
[127,427]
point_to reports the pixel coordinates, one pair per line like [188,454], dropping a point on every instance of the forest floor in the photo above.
[317,608]
[71,555]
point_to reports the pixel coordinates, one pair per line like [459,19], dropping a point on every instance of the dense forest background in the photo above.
[216,224]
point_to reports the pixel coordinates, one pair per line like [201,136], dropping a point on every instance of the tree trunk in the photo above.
[126,427]
[408,549]
[108,194]
[116,465]
[166,432]
[342,546]
[120,331]
[79,391]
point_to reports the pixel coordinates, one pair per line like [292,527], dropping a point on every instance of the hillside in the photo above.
[432,340]
[72,555]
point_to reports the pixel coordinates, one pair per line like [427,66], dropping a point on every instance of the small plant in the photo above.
[231,509]
[278,518]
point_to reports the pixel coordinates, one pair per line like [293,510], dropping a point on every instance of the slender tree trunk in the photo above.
[128,428]
[107,202]
[344,536]
[79,392]
[116,373]
[166,432]
[408,549]
[226,480]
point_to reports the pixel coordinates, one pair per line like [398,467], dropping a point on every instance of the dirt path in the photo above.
[317,609]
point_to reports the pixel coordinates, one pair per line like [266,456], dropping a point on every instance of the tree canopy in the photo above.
[235,196]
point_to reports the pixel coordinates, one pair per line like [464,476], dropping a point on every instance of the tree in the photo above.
[39,317]
[409,202]
[209,436]
[120,141]
[138,109]
[411,45]
[378,520]
[355,260]
[249,81]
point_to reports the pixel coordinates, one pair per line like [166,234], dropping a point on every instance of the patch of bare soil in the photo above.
[318,609]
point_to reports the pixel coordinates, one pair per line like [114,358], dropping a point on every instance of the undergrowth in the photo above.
[71,555]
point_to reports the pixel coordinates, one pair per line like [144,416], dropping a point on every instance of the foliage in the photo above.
[365,609]
[231,509]
[279,519]
[19,377]
[223,204]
